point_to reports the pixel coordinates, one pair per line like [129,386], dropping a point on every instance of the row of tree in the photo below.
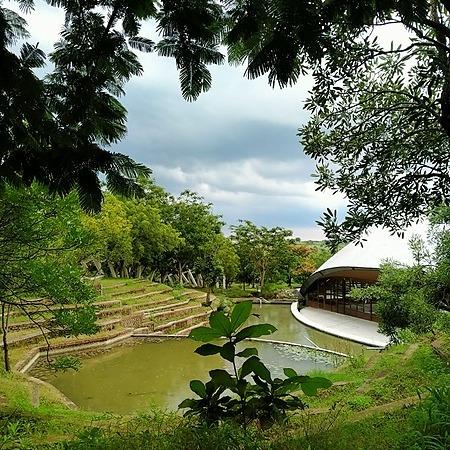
[180,239]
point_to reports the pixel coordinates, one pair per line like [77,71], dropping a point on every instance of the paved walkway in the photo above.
[347,327]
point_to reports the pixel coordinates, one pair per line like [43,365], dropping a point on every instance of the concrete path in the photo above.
[347,327]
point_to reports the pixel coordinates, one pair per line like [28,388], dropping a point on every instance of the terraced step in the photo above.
[186,331]
[147,294]
[108,325]
[176,312]
[114,286]
[150,304]
[185,321]
[35,336]
[108,304]
[130,291]
[27,325]
[164,307]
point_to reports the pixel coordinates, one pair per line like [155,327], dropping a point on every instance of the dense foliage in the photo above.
[181,239]
[40,275]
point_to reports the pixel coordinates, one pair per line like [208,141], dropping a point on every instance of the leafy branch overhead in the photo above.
[232,395]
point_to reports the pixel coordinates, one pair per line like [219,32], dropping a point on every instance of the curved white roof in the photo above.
[378,247]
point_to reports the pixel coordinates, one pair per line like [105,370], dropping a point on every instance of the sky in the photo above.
[237,145]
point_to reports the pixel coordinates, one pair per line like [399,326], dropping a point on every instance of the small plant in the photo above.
[432,422]
[64,363]
[360,402]
[267,399]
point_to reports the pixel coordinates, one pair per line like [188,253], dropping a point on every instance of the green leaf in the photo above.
[240,314]
[198,387]
[220,323]
[221,377]
[227,351]
[208,349]
[247,352]
[254,331]
[253,364]
[310,386]
[290,372]
[204,334]
[187,403]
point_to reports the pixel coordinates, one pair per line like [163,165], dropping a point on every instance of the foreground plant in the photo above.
[234,396]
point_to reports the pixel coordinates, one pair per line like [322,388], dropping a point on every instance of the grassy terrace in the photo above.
[373,405]
[128,297]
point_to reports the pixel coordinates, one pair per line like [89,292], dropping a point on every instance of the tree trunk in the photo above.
[180,272]
[192,278]
[262,279]
[98,266]
[184,279]
[5,317]
[139,270]
[125,271]
[111,269]
[224,282]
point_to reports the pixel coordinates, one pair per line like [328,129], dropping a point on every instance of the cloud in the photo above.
[237,145]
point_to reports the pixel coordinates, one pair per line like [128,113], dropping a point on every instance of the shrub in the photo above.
[233,396]
[402,300]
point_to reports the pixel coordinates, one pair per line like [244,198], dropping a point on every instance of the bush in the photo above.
[402,300]
[233,396]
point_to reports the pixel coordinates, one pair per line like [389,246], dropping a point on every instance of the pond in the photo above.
[131,378]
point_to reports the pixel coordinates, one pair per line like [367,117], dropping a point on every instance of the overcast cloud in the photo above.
[236,145]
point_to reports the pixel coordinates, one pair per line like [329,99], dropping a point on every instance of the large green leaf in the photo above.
[310,386]
[227,351]
[254,364]
[198,387]
[254,331]
[204,334]
[221,377]
[290,372]
[221,323]
[208,349]
[188,403]
[240,314]
[247,352]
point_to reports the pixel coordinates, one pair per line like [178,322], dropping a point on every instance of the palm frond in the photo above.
[89,191]
[141,43]
[31,56]
[127,167]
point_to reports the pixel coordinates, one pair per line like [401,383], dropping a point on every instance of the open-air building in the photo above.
[354,266]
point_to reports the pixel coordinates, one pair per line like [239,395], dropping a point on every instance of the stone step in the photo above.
[147,294]
[36,336]
[150,304]
[108,304]
[114,286]
[176,311]
[164,307]
[108,325]
[186,331]
[26,325]
[188,321]
[129,291]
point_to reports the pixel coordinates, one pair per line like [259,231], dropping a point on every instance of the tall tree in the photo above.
[197,225]
[56,130]
[39,275]
[265,248]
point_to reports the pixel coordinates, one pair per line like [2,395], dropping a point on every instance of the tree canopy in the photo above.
[381,116]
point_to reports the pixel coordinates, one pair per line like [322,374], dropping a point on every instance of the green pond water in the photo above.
[131,378]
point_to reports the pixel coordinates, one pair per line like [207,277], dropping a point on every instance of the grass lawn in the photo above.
[365,409]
